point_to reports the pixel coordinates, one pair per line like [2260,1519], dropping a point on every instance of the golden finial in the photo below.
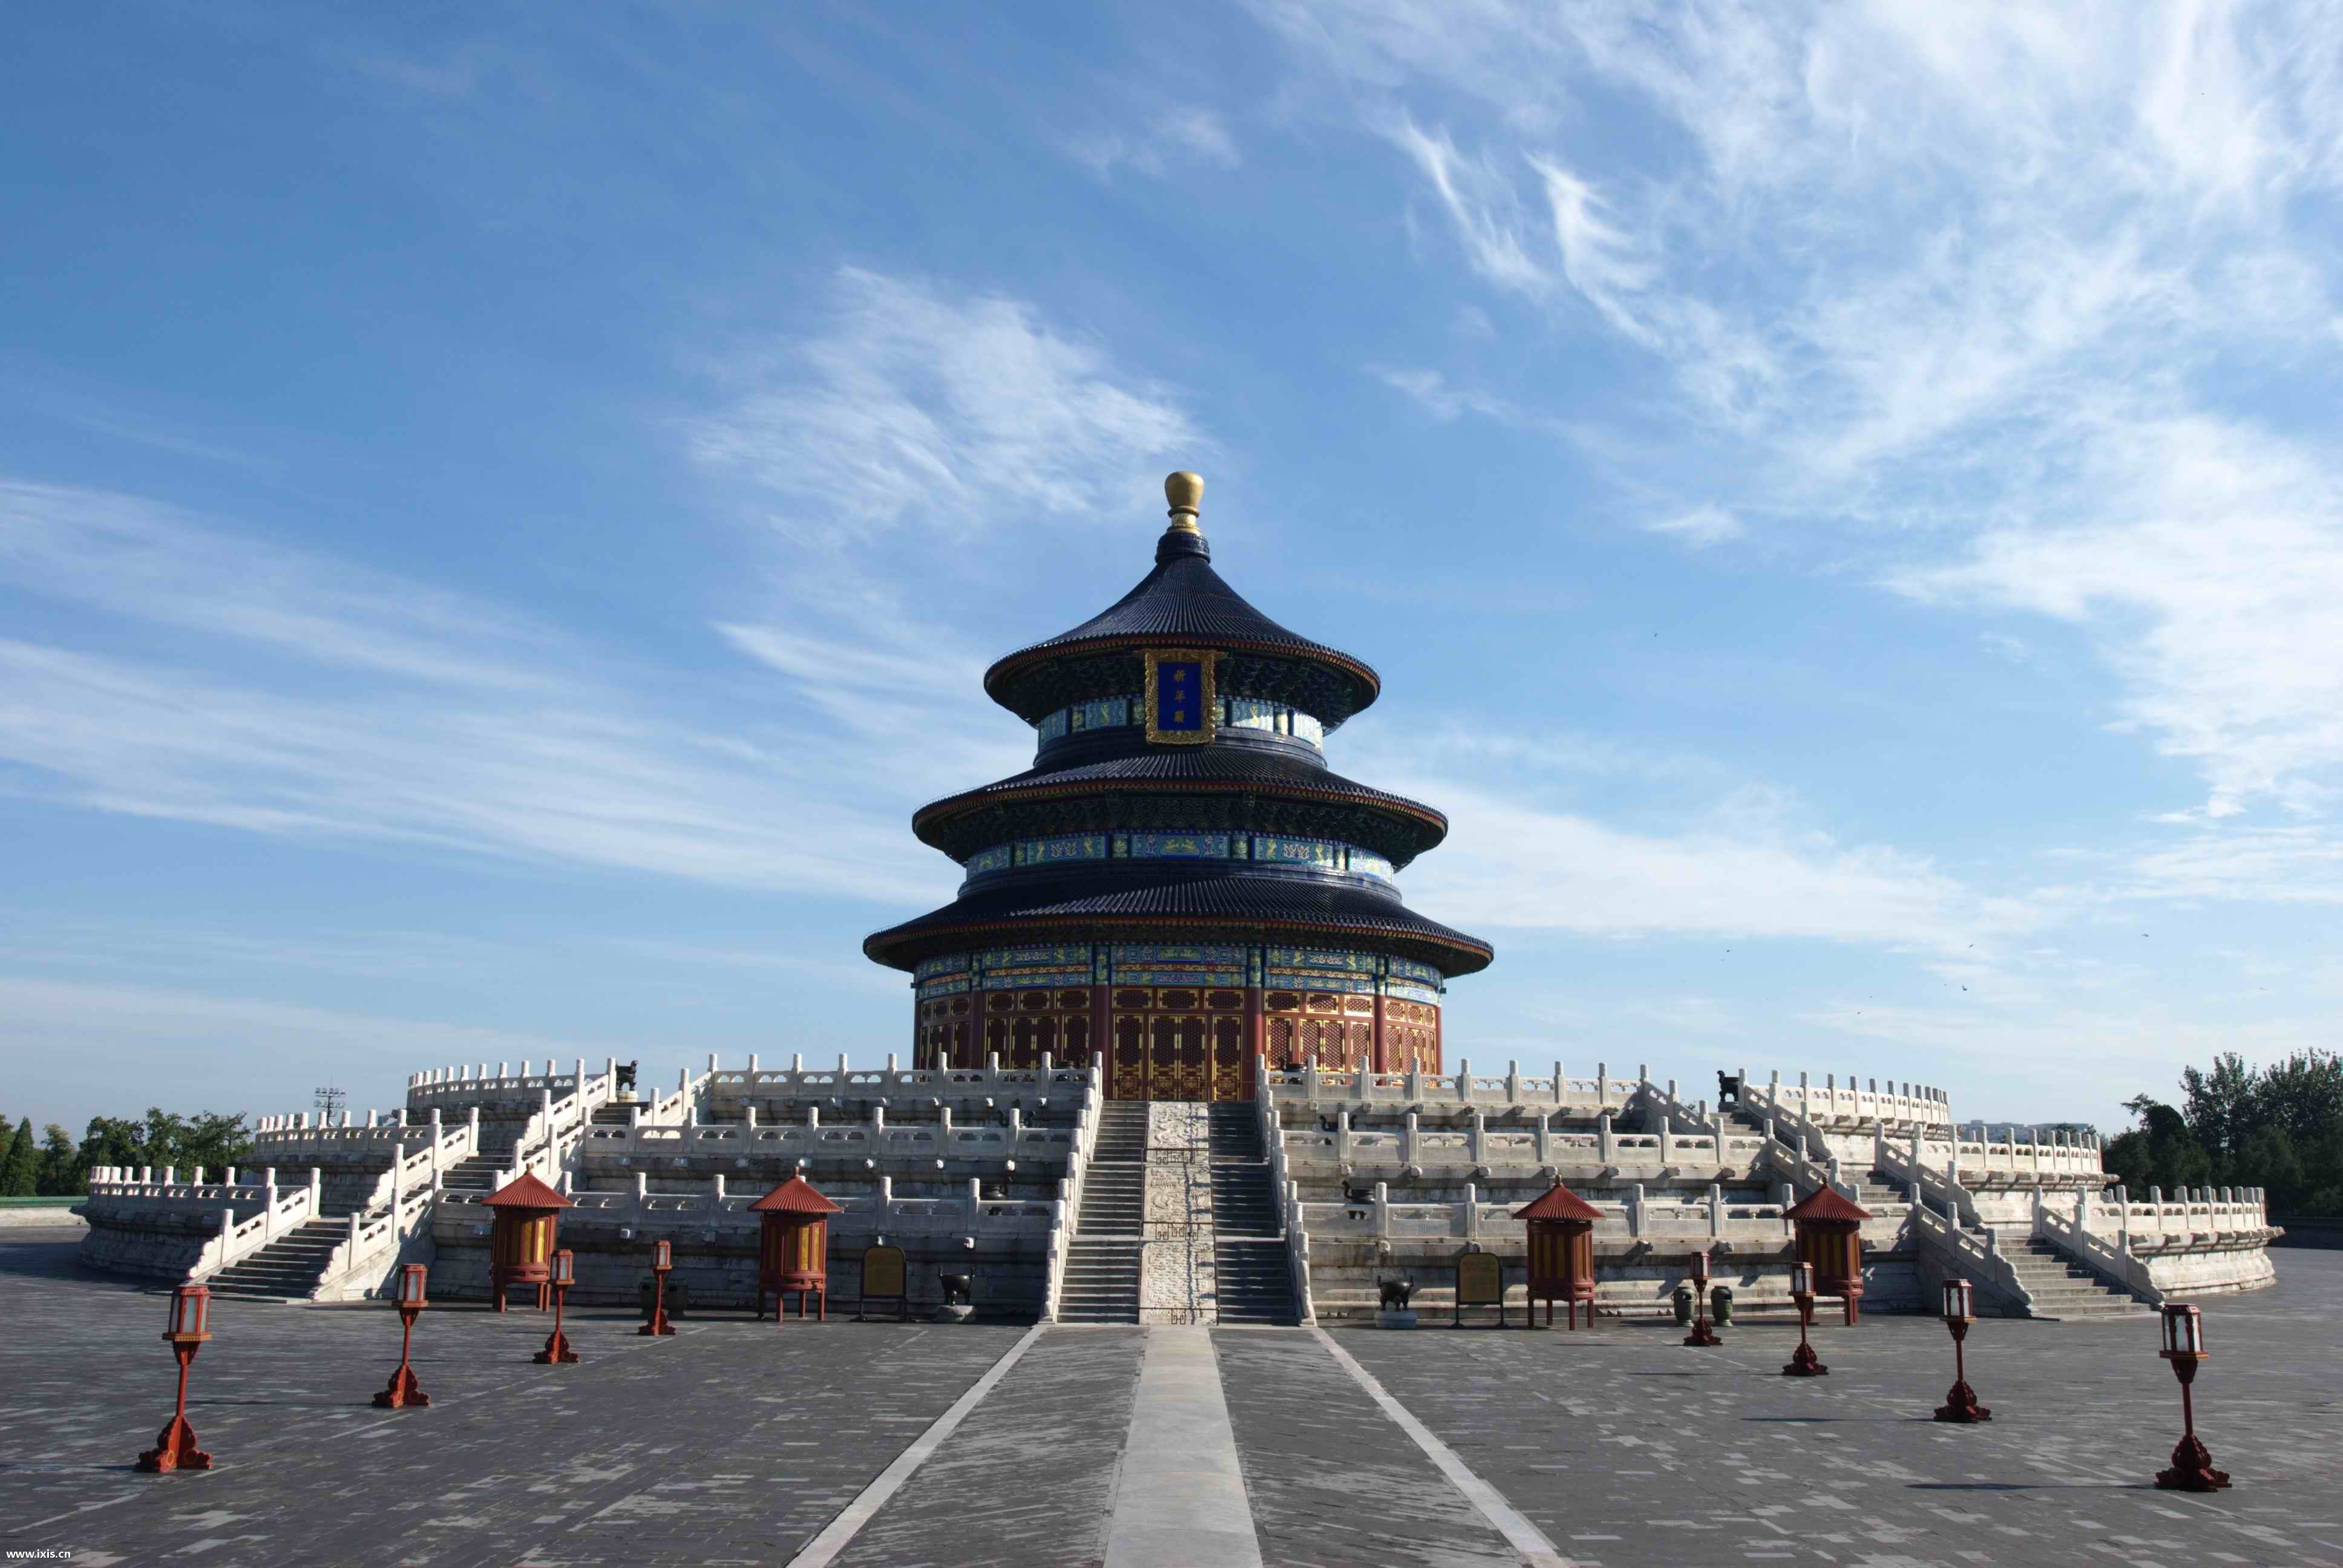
[1184,490]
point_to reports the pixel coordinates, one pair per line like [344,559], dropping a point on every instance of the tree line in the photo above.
[54,1165]
[2278,1128]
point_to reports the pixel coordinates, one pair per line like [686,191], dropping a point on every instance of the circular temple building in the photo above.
[1178,881]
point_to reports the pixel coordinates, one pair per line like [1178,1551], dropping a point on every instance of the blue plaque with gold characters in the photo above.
[1182,707]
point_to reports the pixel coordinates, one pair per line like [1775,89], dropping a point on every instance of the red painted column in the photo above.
[1380,1058]
[1103,1038]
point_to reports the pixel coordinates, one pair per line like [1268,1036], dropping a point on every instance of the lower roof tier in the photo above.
[1202,902]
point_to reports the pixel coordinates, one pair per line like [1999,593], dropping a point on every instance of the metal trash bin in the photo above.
[1720,1306]
[1683,1306]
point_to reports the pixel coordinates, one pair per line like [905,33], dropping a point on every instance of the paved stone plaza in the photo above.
[734,1443]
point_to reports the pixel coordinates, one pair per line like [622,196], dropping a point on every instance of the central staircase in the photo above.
[1253,1282]
[1102,1282]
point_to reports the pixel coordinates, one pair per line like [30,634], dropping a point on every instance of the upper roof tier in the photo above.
[1182,601]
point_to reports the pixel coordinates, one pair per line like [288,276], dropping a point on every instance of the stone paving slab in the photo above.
[1029,1477]
[1334,1482]
[1627,1448]
[731,1443]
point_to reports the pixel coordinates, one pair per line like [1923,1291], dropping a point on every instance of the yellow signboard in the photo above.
[883,1277]
[1480,1281]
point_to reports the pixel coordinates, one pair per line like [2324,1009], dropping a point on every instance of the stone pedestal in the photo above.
[1400,1320]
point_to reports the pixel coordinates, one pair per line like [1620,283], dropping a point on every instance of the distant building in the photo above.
[1178,881]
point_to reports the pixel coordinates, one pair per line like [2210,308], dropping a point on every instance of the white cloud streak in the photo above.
[1981,281]
[914,409]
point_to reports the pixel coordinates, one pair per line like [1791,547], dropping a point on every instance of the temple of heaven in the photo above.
[1178,881]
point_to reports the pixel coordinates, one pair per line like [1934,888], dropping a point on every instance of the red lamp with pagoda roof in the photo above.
[793,1247]
[1562,1252]
[2184,1346]
[662,1266]
[188,1329]
[1830,1237]
[1803,1362]
[528,1216]
[1702,1335]
[1960,1311]
[404,1390]
[557,1351]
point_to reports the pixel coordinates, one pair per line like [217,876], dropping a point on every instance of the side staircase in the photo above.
[1102,1282]
[1253,1282]
[2061,1288]
[290,1267]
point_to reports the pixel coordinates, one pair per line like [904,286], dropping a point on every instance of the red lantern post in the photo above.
[404,1390]
[1960,1404]
[793,1247]
[564,1274]
[662,1264]
[188,1329]
[1830,1237]
[2184,1346]
[1562,1252]
[1701,1334]
[1804,1362]
[527,1215]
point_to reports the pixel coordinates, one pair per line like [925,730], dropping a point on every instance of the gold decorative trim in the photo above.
[1208,698]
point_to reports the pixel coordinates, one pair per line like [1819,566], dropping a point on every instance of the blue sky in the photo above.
[502,514]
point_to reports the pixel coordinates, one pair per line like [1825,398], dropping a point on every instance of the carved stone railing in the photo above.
[1843,1106]
[1314,1085]
[874,1139]
[718,1209]
[1291,1219]
[1064,1218]
[1696,1222]
[799,1083]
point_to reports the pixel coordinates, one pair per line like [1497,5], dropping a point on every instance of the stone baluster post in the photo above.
[1409,1150]
[1544,1138]
[1471,1211]
[1463,1079]
[1513,1083]
[1477,1139]
[1601,1083]
[1635,1210]
[1383,1209]
[1716,1210]
[1602,1149]
[1561,1085]
[1341,1135]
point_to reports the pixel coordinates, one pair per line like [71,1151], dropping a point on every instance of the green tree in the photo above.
[20,1167]
[209,1138]
[63,1173]
[2221,1107]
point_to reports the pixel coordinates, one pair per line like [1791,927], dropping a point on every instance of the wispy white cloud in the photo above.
[1511,864]
[918,408]
[1701,526]
[1175,139]
[308,697]
[1445,404]
[1972,286]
